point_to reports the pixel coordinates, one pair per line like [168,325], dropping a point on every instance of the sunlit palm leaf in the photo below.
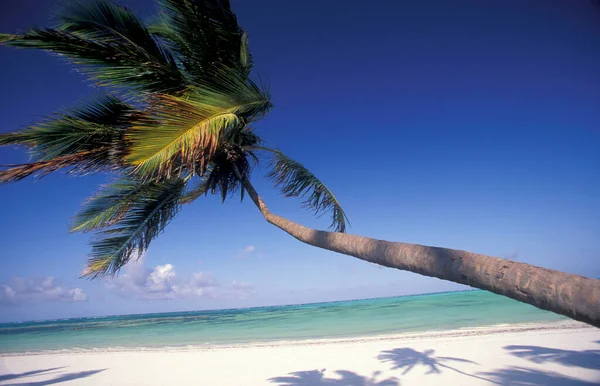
[184,131]
[295,180]
[115,47]
[129,234]
[178,133]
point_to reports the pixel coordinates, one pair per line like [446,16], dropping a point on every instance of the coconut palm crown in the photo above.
[175,123]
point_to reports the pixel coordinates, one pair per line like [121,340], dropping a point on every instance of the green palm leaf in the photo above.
[100,123]
[184,132]
[103,20]
[109,205]
[128,228]
[177,133]
[246,61]
[295,180]
[6,37]
[90,137]
[205,34]
[115,47]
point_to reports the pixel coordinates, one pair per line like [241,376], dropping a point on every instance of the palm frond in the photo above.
[7,37]
[177,133]
[246,61]
[294,180]
[184,131]
[109,205]
[88,139]
[113,45]
[98,124]
[15,138]
[129,233]
[103,20]
[205,34]
[82,162]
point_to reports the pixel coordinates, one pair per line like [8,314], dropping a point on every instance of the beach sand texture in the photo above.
[561,354]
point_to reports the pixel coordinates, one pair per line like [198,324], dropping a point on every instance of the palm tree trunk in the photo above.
[571,295]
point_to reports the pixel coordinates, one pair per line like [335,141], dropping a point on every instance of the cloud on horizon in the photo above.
[38,290]
[163,283]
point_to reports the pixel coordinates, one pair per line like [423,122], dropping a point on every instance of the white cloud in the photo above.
[248,250]
[163,283]
[37,290]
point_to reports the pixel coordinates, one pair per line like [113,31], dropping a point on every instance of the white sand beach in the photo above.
[562,354]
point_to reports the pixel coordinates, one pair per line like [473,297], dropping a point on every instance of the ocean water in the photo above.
[406,314]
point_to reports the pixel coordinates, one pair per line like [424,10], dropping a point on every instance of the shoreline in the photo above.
[547,354]
[557,326]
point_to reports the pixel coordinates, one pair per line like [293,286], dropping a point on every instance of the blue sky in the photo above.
[465,124]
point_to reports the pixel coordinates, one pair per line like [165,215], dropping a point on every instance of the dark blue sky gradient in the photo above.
[468,124]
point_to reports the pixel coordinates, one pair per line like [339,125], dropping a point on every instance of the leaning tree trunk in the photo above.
[571,295]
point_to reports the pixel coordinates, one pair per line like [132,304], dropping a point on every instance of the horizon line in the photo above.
[242,308]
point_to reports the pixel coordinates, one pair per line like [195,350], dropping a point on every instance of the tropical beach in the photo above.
[299,193]
[472,338]
[544,355]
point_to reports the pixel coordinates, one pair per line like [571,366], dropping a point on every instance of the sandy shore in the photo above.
[561,354]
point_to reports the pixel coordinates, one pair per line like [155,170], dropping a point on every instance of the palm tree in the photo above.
[176,123]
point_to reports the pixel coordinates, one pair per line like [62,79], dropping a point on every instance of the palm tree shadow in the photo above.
[8,377]
[589,359]
[407,359]
[60,378]
[344,378]
[519,376]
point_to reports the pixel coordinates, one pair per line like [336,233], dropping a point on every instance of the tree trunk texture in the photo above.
[571,295]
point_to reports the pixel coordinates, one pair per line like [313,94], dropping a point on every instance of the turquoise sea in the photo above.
[396,315]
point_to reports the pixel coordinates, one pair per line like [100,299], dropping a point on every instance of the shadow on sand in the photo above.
[58,379]
[517,376]
[589,359]
[408,359]
[520,376]
[8,377]
[343,378]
